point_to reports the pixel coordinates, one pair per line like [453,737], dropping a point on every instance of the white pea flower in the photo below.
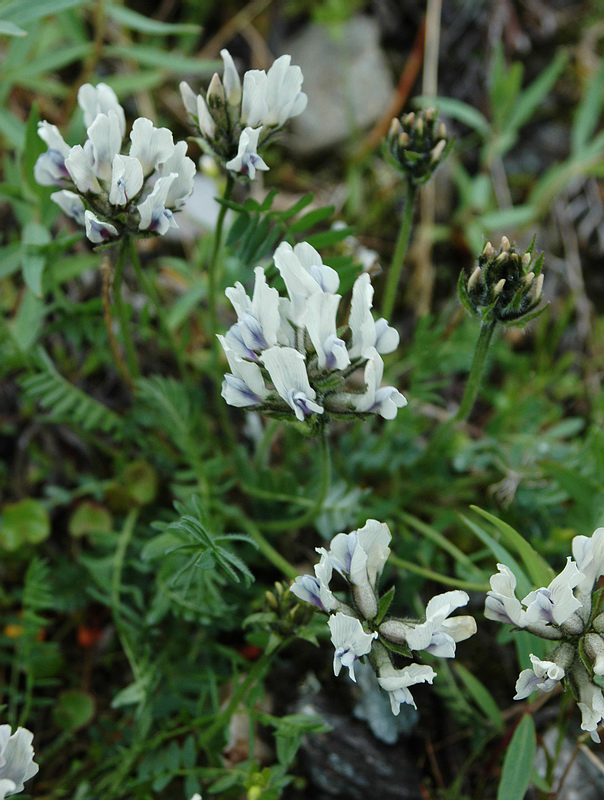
[544,676]
[244,386]
[118,194]
[98,231]
[287,370]
[270,99]
[233,121]
[106,139]
[100,99]
[556,603]
[361,555]
[501,604]
[152,146]
[366,332]
[17,763]
[397,681]
[591,706]
[71,204]
[439,633]
[377,399]
[80,166]
[49,169]
[350,642]
[304,274]
[320,320]
[315,590]
[247,160]
[309,363]
[126,179]
[180,164]
[154,216]
[259,319]
[589,555]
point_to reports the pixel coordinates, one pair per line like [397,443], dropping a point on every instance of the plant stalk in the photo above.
[122,315]
[213,270]
[476,371]
[400,251]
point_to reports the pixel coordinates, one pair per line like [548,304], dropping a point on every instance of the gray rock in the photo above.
[346,78]
[584,781]
[349,762]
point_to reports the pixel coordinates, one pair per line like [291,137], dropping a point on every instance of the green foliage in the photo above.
[150,532]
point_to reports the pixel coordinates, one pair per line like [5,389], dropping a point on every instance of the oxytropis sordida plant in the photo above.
[360,624]
[567,612]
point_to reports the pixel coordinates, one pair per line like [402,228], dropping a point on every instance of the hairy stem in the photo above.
[122,314]
[213,270]
[476,371]
[400,251]
[117,356]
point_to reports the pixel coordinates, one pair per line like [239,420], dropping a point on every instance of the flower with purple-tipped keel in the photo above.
[110,193]
[566,610]
[315,589]
[233,122]
[17,763]
[397,681]
[544,676]
[244,385]
[247,160]
[311,360]
[351,642]
[439,633]
[287,370]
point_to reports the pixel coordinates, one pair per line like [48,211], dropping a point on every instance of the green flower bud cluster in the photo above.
[505,287]
[417,143]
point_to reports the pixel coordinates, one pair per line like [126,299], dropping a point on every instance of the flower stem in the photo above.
[119,361]
[265,547]
[213,271]
[122,315]
[436,576]
[400,251]
[476,371]
[151,291]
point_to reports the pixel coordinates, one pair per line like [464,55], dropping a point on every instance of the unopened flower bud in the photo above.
[395,127]
[365,600]
[417,145]
[215,96]
[598,623]
[488,250]
[528,279]
[395,630]
[474,278]
[503,290]
[437,151]
[594,648]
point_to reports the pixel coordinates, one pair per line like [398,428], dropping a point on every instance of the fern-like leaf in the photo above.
[67,402]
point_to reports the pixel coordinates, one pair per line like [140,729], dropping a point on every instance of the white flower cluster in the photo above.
[17,763]
[567,611]
[234,121]
[295,342]
[359,557]
[109,193]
